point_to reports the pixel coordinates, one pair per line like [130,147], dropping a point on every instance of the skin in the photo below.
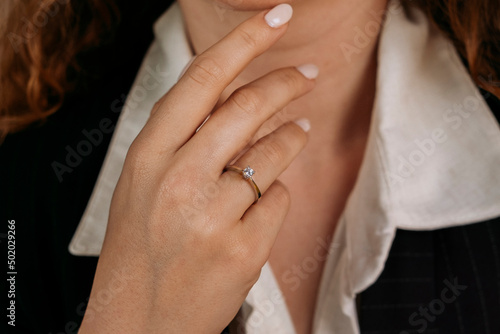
[188,258]
[339,109]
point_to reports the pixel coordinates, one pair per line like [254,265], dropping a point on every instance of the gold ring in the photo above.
[247,175]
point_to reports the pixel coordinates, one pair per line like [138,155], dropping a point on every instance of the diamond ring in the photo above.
[247,175]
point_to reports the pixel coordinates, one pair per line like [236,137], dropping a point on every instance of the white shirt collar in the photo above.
[430,162]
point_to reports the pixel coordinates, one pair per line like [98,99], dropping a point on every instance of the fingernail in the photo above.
[279,15]
[304,124]
[310,71]
[186,67]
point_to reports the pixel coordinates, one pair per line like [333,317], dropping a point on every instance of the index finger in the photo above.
[190,100]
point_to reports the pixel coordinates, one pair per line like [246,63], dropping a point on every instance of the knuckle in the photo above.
[253,278]
[249,100]
[274,152]
[179,186]
[281,196]
[190,193]
[250,39]
[157,106]
[136,156]
[206,71]
[137,168]
[242,254]
[291,78]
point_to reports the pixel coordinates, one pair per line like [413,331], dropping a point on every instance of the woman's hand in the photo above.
[184,241]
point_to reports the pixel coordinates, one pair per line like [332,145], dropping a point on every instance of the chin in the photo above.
[250,5]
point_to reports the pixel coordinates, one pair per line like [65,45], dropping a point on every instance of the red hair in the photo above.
[39,45]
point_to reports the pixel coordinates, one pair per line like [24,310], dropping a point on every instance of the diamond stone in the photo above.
[248,172]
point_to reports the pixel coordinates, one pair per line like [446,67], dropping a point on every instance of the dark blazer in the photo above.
[441,281]
[53,286]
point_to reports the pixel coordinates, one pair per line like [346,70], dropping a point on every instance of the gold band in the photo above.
[247,175]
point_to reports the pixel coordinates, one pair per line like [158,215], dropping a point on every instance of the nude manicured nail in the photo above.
[304,124]
[279,15]
[310,71]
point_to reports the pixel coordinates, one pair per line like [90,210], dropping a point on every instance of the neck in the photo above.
[340,37]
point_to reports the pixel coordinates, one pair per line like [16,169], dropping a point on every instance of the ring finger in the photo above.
[268,157]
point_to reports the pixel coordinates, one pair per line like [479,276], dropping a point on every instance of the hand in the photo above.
[183,236]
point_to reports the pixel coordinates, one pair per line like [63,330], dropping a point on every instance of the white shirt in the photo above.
[431,162]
